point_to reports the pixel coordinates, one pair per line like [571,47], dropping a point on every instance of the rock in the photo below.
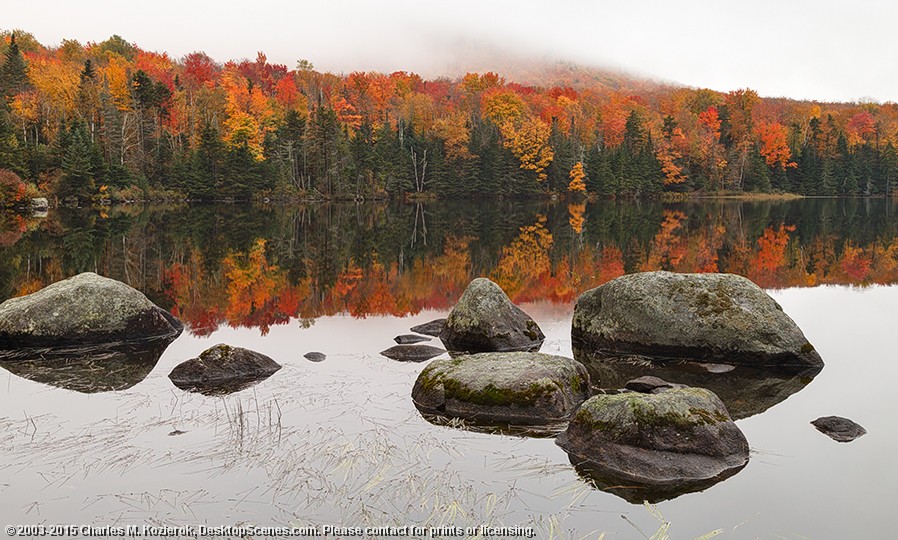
[432,328]
[673,439]
[85,309]
[40,203]
[223,369]
[647,384]
[412,353]
[407,339]
[315,356]
[87,369]
[838,428]
[485,320]
[709,317]
[745,390]
[508,388]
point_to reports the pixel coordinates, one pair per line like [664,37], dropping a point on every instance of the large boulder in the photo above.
[485,320]
[84,309]
[714,317]
[223,369]
[672,439]
[503,388]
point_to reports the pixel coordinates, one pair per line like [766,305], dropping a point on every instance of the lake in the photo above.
[340,443]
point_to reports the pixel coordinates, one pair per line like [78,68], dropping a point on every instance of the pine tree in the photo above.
[13,72]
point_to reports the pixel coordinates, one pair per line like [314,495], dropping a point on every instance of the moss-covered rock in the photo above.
[223,369]
[717,317]
[412,353]
[670,438]
[84,309]
[485,320]
[503,388]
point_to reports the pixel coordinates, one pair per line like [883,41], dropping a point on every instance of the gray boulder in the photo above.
[718,317]
[838,428]
[408,339]
[672,439]
[485,320]
[223,369]
[509,388]
[315,356]
[84,309]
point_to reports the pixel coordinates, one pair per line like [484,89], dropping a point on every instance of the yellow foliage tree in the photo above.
[577,175]
[529,142]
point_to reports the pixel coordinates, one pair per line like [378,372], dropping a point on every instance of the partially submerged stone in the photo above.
[85,309]
[838,428]
[408,339]
[709,317]
[502,388]
[412,353]
[485,320]
[669,440]
[223,369]
[431,328]
[315,356]
[648,384]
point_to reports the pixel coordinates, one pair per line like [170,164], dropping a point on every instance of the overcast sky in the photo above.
[801,49]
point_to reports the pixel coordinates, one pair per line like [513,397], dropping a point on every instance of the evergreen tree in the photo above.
[13,72]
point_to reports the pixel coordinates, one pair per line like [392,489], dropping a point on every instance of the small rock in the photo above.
[647,384]
[432,328]
[315,356]
[176,432]
[407,339]
[485,320]
[223,369]
[838,428]
[412,353]
[40,203]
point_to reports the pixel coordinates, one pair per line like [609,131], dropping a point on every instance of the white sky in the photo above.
[819,49]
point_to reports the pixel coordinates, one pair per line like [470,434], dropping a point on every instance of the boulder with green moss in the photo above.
[503,388]
[714,317]
[485,320]
[86,309]
[671,438]
[223,369]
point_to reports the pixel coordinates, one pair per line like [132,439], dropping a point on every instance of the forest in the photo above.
[106,122]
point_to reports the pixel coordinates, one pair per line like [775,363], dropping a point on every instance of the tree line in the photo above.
[109,120]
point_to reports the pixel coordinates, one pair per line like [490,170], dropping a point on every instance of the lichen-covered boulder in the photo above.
[503,388]
[84,309]
[716,317]
[485,320]
[223,369]
[671,438]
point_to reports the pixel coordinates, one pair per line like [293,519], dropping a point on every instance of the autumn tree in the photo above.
[577,185]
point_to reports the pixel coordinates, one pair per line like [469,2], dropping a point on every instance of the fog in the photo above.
[800,49]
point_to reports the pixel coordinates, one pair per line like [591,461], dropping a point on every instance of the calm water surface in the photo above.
[340,442]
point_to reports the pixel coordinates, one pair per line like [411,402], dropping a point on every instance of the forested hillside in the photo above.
[109,120]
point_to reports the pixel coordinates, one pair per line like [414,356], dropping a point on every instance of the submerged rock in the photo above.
[223,369]
[670,440]
[506,388]
[432,328]
[408,339]
[718,317]
[84,309]
[412,353]
[315,356]
[485,320]
[87,369]
[838,428]
[648,384]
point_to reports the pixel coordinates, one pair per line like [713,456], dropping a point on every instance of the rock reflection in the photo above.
[746,391]
[88,370]
[636,491]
